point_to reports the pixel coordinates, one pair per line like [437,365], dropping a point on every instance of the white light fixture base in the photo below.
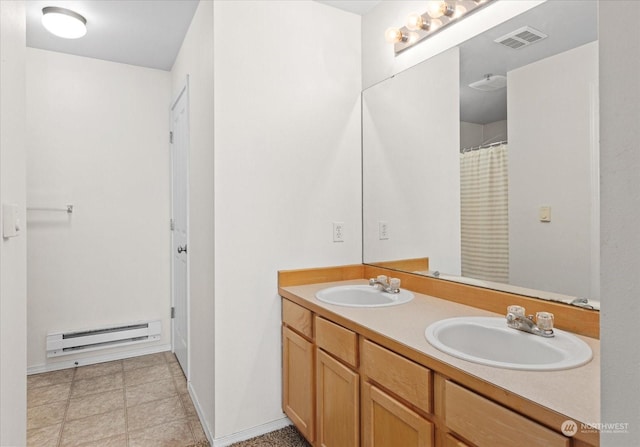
[63,22]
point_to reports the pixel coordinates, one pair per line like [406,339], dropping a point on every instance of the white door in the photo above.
[179,138]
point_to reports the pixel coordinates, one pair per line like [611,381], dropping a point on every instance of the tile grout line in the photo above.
[124,398]
[66,407]
[74,383]
[175,384]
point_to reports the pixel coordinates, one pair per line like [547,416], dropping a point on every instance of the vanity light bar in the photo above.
[439,15]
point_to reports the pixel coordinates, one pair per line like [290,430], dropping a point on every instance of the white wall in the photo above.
[13,283]
[196,59]
[378,59]
[97,137]
[619,39]
[287,163]
[411,165]
[552,105]
[472,134]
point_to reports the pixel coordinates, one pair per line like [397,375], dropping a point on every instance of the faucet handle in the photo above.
[516,310]
[382,279]
[394,283]
[544,320]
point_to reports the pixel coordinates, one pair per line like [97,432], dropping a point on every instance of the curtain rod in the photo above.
[482,146]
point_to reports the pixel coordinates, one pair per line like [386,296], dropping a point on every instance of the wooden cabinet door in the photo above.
[451,441]
[338,401]
[388,423]
[297,382]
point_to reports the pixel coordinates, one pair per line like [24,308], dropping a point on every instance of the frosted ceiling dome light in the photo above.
[64,22]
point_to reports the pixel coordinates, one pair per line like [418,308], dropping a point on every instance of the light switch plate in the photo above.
[545,214]
[10,220]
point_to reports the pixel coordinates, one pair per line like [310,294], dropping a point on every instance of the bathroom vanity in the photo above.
[368,377]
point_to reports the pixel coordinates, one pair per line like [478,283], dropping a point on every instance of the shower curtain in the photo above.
[484,213]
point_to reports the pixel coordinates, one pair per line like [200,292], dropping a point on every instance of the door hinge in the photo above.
[171,137]
[172,224]
[173,312]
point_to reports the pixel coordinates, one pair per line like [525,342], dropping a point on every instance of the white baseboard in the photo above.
[55,366]
[196,403]
[251,432]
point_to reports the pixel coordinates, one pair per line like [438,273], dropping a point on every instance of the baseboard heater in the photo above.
[64,343]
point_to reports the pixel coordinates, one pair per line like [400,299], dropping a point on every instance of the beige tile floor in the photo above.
[136,402]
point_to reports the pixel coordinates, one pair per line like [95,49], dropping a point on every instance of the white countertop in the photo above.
[574,392]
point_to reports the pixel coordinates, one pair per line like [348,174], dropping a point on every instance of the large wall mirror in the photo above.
[482,162]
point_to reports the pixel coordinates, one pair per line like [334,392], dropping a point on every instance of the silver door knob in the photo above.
[182,249]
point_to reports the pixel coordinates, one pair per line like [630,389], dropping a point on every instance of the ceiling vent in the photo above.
[521,37]
[490,83]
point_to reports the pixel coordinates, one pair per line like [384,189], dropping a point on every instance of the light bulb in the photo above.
[63,22]
[434,8]
[416,22]
[439,8]
[394,35]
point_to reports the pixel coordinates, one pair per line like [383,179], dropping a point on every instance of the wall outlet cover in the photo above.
[338,232]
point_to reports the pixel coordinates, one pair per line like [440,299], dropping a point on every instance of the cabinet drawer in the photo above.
[406,379]
[297,317]
[486,423]
[337,341]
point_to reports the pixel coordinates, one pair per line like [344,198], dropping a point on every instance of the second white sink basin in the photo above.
[488,340]
[362,296]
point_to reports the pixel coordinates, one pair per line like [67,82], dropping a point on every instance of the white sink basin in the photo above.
[362,296]
[488,340]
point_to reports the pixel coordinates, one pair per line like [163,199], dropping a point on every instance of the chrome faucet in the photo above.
[389,285]
[543,326]
[582,302]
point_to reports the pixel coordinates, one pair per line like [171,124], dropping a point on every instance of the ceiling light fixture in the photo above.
[64,22]
[489,83]
[438,15]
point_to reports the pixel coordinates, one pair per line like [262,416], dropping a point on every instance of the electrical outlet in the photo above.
[383,230]
[338,232]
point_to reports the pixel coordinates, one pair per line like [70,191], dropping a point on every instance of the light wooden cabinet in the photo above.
[338,403]
[486,423]
[451,441]
[389,423]
[342,390]
[406,379]
[297,382]
[338,341]
[297,318]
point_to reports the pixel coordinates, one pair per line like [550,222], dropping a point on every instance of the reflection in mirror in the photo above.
[501,192]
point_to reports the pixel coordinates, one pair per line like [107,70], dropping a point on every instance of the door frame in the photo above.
[184,90]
